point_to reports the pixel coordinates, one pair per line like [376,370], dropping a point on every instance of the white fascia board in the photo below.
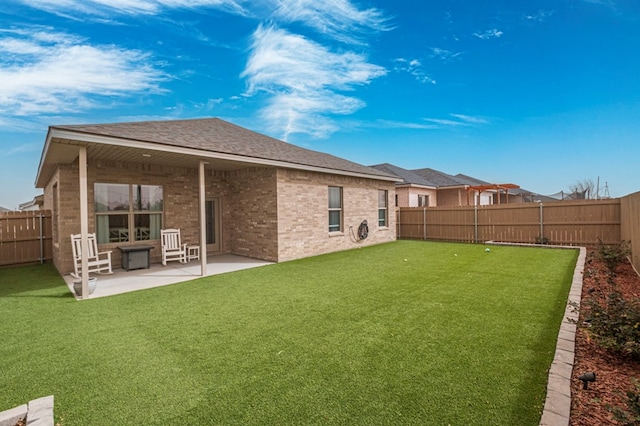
[153,146]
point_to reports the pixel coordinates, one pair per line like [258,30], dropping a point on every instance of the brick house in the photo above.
[413,190]
[429,188]
[229,190]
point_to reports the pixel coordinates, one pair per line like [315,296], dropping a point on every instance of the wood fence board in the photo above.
[25,237]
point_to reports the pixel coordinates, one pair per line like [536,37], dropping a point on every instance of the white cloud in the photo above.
[470,119]
[45,72]
[489,34]
[127,7]
[302,79]
[339,19]
[460,120]
[413,67]
[392,124]
[444,54]
[539,16]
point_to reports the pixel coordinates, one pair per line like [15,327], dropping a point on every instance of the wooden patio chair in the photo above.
[99,262]
[172,247]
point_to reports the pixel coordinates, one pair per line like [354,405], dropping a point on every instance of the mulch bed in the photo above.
[615,375]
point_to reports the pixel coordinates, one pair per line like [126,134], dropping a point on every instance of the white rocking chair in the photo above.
[99,262]
[172,248]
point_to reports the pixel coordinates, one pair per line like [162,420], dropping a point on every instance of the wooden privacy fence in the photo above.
[581,222]
[25,237]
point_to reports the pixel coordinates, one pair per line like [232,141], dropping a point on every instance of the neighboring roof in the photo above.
[440,179]
[209,138]
[468,180]
[4,210]
[34,204]
[408,177]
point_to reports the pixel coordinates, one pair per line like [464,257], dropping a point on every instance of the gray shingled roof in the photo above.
[407,175]
[219,136]
[468,180]
[439,178]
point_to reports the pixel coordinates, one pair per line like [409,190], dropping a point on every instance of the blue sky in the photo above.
[538,93]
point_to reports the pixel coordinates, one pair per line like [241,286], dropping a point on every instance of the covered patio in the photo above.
[122,281]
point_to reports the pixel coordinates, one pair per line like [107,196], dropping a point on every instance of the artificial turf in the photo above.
[401,333]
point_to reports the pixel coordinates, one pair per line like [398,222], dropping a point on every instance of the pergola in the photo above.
[494,187]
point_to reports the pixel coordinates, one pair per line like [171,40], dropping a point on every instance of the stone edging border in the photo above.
[557,405]
[38,412]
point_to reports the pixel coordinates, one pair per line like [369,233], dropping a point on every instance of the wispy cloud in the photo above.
[19,149]
[539,16]
[444,54]
[489,34]
[609,3]
[413,67]
[392,124]
[47,72]
[457,120]
[127,7]
[302,80]
[339,19]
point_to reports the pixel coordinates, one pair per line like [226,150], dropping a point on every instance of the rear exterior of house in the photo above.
[139,178]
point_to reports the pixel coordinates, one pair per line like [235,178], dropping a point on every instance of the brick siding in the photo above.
[267,213]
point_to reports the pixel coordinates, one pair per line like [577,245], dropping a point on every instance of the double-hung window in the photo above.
[335,209]
[383,211]
[128,212]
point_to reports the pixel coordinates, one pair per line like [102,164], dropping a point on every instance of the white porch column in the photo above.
[84,219]
[203,222]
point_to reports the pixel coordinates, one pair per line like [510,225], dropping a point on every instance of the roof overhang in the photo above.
[61,147]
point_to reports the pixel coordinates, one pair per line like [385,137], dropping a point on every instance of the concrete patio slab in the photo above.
[122,281]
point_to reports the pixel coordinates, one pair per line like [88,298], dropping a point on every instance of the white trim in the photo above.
[153,146]
[84,220]
[203,219]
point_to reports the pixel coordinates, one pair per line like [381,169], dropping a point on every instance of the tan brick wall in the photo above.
[266,213]
[303,213]
[252,225]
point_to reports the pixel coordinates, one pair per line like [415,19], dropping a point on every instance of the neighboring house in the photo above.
[35,204]
[443,189]
[229,190]
[414,190]
[4,210]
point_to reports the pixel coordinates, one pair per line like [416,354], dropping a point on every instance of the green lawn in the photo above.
[401,333]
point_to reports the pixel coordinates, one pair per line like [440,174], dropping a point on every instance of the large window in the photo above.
[128,212]
[382,207]
[335,209]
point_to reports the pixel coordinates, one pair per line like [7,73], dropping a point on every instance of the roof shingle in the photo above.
[219,136]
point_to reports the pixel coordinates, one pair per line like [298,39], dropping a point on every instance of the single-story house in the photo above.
[228,189]
[413,190]
[429,188]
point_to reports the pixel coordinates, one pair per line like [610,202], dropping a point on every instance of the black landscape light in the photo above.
[586,378]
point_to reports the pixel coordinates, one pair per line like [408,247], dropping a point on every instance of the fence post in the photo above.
[41,239]
[475,220]
[541,224]
[424,223]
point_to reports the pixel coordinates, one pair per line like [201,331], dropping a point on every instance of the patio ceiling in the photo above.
[65,151]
